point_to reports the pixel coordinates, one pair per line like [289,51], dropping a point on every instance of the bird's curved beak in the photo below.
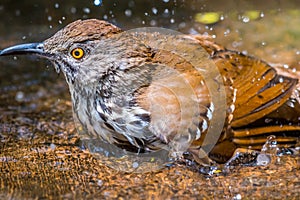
[30,48]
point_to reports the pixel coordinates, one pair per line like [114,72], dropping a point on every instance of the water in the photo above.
[40,157]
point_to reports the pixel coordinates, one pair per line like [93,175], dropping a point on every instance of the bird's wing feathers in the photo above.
[259,89]
[177,98]
[264,100]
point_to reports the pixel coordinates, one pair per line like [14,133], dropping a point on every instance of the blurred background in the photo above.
[269,30]
[259,28]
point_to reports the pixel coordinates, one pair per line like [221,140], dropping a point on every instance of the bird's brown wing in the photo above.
[254,89]
[259,90]
[176,91]
[263,102]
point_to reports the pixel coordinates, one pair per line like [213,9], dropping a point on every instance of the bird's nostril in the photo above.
[40,46]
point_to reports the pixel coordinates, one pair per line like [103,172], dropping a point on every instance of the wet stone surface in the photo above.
[64,171]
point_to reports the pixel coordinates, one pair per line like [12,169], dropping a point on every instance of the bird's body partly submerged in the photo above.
[119,88]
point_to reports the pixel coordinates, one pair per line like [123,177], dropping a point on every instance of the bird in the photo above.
[128,93]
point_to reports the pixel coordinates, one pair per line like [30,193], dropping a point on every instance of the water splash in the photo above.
[268,152]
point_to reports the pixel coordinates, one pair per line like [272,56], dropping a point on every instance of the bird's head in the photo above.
[71,47]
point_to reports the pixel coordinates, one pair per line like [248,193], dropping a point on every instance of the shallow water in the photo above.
[39,156]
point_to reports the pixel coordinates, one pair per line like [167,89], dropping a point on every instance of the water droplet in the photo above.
[236,44]
[128,13]
[182,25]
[245,19]
[268,152]
[49,18]
[172,21]
[24,37]
[153,23]
[237,197]
[99,182]
[166,1]
[73,10]
[86,10]
[135,165]
[192,31]
[97,2]
[131,4]
[263,159]
[52,146]
[268,120]
[56,5]
[20,96]
[226,32]
[208,170]
[18,13]
[154,10]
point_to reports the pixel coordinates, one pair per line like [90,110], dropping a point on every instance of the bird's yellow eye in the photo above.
[77,53]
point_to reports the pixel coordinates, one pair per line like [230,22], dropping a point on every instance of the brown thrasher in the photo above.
[118,95]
